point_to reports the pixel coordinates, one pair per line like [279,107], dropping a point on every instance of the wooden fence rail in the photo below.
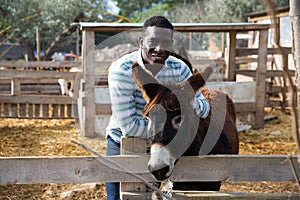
[228,168]
[36,94]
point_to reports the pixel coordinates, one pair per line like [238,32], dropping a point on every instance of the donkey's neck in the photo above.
[154,69]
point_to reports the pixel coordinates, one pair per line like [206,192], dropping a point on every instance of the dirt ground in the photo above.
[21,137]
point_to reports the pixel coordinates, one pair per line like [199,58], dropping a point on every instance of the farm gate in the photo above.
[31,90]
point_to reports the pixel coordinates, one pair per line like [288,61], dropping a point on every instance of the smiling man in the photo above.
[127,101]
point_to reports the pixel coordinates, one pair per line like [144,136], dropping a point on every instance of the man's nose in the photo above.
[159,48]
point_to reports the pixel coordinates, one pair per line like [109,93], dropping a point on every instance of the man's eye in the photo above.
[167,44]
[152,42]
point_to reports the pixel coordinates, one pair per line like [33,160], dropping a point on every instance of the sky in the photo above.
[112,6]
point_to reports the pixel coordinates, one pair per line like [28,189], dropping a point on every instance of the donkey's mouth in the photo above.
[162,174]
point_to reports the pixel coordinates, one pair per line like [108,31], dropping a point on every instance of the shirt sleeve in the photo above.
[201,105]
[125,105]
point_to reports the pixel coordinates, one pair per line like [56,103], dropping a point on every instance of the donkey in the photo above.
[175,130]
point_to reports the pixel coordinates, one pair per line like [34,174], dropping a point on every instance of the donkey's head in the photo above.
[173,122]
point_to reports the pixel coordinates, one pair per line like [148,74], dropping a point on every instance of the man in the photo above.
[126,98]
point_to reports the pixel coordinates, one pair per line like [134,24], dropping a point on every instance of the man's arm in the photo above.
[202,106]
[127,104]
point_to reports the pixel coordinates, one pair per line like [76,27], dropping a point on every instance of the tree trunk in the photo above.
[295,21]
[27,48]
[63,37]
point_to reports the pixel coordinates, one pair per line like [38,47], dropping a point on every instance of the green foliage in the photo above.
[141,9]
[211,11]
[51,17]
[235,10]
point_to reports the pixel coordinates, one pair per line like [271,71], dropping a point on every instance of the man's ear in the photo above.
[141,40]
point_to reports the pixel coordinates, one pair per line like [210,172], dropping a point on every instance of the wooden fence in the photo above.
[31,90]
[88,117]
[227,168]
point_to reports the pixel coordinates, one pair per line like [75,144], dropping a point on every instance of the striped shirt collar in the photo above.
[141,63]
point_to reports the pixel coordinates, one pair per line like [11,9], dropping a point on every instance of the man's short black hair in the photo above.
[158,21]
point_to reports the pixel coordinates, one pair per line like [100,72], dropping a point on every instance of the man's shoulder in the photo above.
[125,62]
[175,62]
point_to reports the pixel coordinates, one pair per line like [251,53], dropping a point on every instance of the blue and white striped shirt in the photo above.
[127,100]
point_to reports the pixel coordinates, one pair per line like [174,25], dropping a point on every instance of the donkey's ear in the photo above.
[148,84]
[198,79]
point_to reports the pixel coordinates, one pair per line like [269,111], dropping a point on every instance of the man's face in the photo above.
[156,45]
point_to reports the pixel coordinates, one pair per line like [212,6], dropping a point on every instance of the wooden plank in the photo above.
[54,110]
[14,109]
[22,110]
[205,61]
[39,64]
[229,168]
[103,109]
[62,110]
[269,73]
[69,111]
[182,27]
[37,110]
[31,88]
[45,111]
[15,87]
[6,109]
[230,57]
[31,81]
[88,40]
[133,146]
[261,79]
[30,110]
[198,195]
[254,51]
[285,64]
[37,74]
[245,107]
[37,99]
[235,90]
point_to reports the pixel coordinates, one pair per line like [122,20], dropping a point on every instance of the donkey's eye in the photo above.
[176,122]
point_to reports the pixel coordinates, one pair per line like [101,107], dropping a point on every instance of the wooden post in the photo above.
[230,57]
[88,101]
[38,45]
[261,79]
[190,41]
[285,81]
[15,87]
[131,146]
[77,41]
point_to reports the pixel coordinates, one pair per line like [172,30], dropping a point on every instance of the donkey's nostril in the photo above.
[161,173]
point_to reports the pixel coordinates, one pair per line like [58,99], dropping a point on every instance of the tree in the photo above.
[141,9]
[53,18]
